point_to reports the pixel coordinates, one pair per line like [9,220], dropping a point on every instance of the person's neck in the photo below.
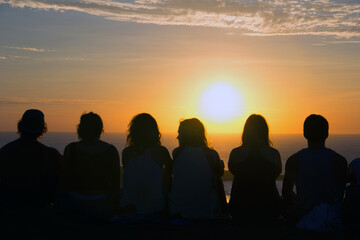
[316,145]
[29,138]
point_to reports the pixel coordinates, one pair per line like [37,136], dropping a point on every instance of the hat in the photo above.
[32,122]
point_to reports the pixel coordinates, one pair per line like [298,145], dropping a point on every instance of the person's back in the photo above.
[197,190]
[28,169]
[28,174]
[318,179]
[193,192]
[91,173]
[88,172]
[146,178]
[255,166]
[147,169]
[254,188]
[319,173]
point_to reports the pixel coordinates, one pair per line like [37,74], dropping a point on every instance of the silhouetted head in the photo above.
[192,133]
[316,128]
[143,131]
[32,124]
[90,127]
[256,132]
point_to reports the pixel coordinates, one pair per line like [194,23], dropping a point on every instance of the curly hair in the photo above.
[192,133]
[143,131]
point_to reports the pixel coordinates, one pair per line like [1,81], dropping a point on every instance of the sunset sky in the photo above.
[282,59]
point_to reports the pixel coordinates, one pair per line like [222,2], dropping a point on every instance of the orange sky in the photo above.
[67,63]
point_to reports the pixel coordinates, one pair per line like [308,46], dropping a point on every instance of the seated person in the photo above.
[354,171]
[91,172]
[147,168]
[255,166]
[28,169]
[318,172]
[197,190]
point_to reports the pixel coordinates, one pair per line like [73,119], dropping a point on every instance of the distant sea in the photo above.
[286,144]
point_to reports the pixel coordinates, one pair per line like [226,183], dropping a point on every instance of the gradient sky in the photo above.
[287,59]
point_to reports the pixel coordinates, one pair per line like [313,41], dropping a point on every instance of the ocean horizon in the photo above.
[348,145]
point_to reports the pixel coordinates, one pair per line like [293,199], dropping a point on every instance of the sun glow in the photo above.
[221,102]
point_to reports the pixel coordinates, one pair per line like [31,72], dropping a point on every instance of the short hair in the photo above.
[90,126]
[143,131]
[256,132]
[32,124]
[316,127]
[192,133]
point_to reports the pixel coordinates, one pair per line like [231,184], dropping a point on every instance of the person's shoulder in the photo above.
[240,152]
[10,145]
[128,150]
[270,152]
[337,156]
[176,151]
[355,162]
[294,157]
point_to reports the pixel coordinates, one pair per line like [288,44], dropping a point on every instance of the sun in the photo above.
[221,102]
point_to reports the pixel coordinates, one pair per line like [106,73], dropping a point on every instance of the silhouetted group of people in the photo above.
[84,182]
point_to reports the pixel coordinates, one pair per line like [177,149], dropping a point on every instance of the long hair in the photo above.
[90,127]
[256,132]
[143,131]
[192,133]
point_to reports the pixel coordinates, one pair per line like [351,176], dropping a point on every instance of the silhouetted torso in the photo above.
[254,189]
[147,178]
[320,177]
[91,171]
[194,193]
[28,174]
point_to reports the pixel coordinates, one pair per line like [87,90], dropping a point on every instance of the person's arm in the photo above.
[65,169]
[341,168]
[167,170]
[115,178]
[351,172]
[291,172]
[278,163]
[232,164]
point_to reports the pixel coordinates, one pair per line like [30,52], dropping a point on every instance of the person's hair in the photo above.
[192,133]
[90,127]
[316,128]
[32,124]
[256,132]
[143,131]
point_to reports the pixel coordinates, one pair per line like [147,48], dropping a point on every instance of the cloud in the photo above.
[55,101]
[26,48]
[3,58]
[253,17]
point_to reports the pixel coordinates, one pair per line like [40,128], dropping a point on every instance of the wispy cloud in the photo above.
[55,101]
[25,48]
[253,17]
[3,58]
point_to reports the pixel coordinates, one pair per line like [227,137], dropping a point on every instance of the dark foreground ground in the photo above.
[27,229]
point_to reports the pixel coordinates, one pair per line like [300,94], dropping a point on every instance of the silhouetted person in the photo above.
[147,167]
[91,171]
[354,171]
[196,174]
[318,173]
[255,166]
[28,170]
[352,194]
